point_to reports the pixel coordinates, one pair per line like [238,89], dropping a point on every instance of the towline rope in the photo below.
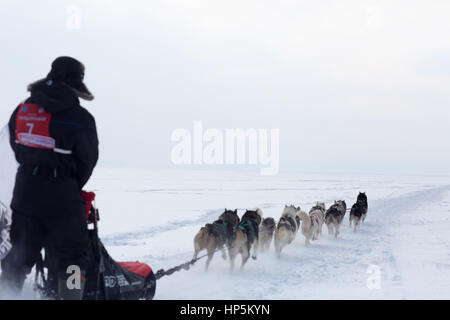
[185,266]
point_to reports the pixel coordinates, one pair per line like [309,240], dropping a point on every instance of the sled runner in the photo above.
[106,279]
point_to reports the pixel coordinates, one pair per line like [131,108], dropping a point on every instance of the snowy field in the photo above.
[152,216]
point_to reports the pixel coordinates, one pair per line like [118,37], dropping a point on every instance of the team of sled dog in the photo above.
[254,233]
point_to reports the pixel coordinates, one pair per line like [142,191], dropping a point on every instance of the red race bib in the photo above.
[32,127]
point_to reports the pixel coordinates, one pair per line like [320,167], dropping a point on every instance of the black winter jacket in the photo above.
[72,132]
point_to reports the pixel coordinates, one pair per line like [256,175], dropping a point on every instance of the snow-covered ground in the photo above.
[152,216]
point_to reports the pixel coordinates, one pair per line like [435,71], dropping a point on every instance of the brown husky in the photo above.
[266,229]
[246,237]
[215,236]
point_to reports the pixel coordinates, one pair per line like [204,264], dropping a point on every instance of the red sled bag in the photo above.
[106,279]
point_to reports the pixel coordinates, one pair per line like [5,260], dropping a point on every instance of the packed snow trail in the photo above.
[336,269]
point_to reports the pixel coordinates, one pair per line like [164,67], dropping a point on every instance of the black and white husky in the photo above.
[362,199]
[358,212]
[287,228]
[334,216]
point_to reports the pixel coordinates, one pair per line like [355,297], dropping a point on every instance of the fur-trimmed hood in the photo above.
[52,96]
[85,95]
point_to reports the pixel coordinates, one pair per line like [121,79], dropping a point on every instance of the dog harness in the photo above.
[316,208]
[314,218]
[362,203]
[269,224]
[247,227]
[221,228]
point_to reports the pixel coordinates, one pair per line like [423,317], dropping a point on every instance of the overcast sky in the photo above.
[354,86]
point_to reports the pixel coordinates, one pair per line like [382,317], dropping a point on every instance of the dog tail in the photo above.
[260,213]
[330,216]
[201,233]
[305,218]
[327,218]
[281,234]
[198,239]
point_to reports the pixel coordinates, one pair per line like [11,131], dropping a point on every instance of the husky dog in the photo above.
[230,217]
[291,212]
[356,214]
[215,236]
[362,199]
[266,229]
[317,213]
[310,226]
[287,228]
[246,237]
[334,216]
[359,210]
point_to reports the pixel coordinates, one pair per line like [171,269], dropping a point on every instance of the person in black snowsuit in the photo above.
[55,143]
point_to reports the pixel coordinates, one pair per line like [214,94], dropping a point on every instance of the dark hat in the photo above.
[71,72]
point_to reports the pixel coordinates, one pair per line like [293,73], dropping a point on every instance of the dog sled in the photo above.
[106,279]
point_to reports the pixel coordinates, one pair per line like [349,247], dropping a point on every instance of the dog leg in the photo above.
[210,256]
[224,253]
[207,263]
[268,245]
[330,229]
[261,246]
[197,249]
[232,256]
[276,246]
[255,250]
[307,242]
[245,255]
[278,250]
[231,264]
